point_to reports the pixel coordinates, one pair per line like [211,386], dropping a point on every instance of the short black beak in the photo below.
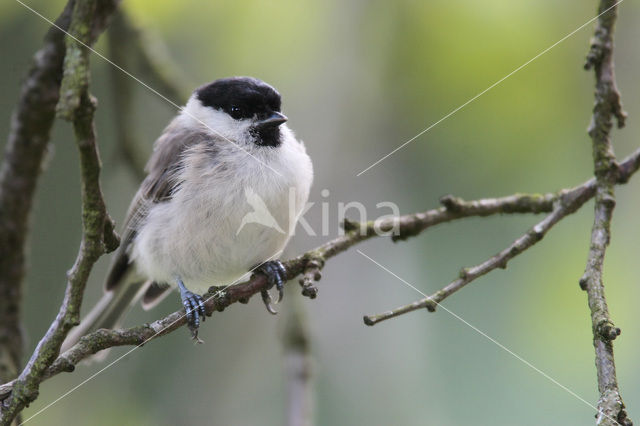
[274,120]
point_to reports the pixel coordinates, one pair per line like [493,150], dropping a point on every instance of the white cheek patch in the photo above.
[217,122]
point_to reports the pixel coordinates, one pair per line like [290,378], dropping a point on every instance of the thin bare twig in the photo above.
[607,106]
[408,225]
[567,202]
[309,264]
[76,105]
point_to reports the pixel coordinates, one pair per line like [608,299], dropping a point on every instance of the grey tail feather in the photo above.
[154,294]
[109,311]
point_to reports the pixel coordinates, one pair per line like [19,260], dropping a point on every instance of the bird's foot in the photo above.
[276,275]
[194,308]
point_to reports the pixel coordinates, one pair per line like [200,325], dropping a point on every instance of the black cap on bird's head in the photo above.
[247,98]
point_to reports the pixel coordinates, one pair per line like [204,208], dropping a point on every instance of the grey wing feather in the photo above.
[121,264]
[123,286]
[159,185]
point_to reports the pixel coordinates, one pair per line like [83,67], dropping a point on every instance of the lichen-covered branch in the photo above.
[310,263]
[76,105]
[21,167]
[86,20]
[566,202]
[611,408]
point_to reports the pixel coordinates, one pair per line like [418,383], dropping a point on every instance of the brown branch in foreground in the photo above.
[76,105]
[611,408]
[409,225]
[566,202]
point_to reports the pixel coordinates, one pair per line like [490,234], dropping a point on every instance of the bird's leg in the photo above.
[194,308]
[276,275]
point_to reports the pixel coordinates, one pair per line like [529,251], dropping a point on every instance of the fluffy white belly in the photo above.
[199,235]
[201,246]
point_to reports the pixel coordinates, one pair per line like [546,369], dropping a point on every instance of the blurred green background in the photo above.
[358,78]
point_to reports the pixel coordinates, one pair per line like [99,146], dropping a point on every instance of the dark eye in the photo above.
[235,112]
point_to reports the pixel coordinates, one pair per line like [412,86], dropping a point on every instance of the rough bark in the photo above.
[85,21]
[611,408]
[21,167]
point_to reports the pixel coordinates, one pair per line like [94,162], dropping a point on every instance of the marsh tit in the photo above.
[185,225]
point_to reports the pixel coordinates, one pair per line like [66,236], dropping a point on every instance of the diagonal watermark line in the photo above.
[491,339]
[151,89]
[487,89]
[94,375]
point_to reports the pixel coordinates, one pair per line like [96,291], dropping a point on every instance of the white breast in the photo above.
[195,235]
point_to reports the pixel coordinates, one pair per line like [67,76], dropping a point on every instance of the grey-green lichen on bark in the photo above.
[21,167]
[559,204]
[76,105]
[310,263]
[607,107]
